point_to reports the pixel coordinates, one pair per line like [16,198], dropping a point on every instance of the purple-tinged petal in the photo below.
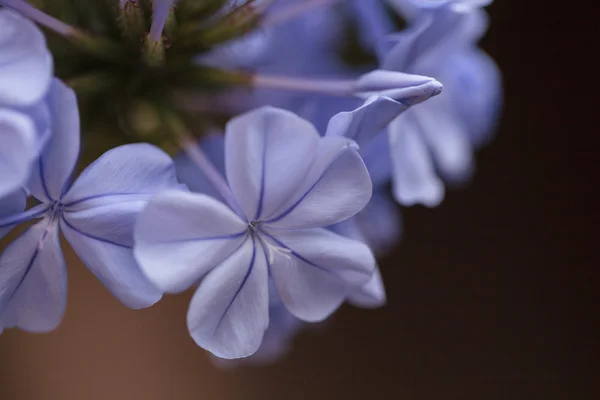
[414,177]
[446,137]
[315,269]
[335,188]
[229,312]
[112,263]
[268,153]
[33,281]
[133,169]
[371,294]
[181,236]
[55,166]
[476,80]
[17,149]
[431,39]
[25,61]
[404,88]
[379,224]
[365,122]
[192,176]
[10,207]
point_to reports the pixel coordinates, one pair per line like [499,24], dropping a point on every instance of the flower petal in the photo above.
[314,269]
[55,166]
[365,122]
[140,169]
[268,152]
[371,294]
[11,205]
[33,281]
[379,224]
[25,61]
[446,137]
[414,177]
[476,80]
[404,88]
[181,236]
[114,265]
[229,312]
[18,150]
[335,188]
[192,176]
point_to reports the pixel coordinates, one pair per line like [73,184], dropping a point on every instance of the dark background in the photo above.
[493,295]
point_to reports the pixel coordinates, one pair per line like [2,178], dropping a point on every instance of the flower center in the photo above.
[56,210]
[252,226]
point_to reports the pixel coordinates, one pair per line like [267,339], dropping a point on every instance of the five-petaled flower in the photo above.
[96,215]
[287,184]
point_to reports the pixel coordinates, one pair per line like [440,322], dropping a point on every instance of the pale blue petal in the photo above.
[447,138]
[283,328]
[414,177]
[373,20]
[405,88]
[181,236]
[433,37]
[25,62]
[379,224]
[10,206]
[112,263]
[139,169]
[55,166]
[371,294]
[335,188]
[475,79]
[33,281]
[365,122]
[314,269]
[192,176]
[376,156]
[17,150]
[268,153]
[229,312]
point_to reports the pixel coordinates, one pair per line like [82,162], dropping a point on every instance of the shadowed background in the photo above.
[491,295]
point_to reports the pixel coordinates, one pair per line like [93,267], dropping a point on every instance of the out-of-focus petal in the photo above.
[446,137]
[17,150]
[335,188]
[181,236]
[51,175]
[25,61]
[314,269]
[229,312]
[371,294]
[414,177]
[268,153]
[33,281]
[192,176]
[475,76]
[11,205]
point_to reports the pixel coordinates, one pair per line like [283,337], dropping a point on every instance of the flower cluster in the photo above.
[245,149]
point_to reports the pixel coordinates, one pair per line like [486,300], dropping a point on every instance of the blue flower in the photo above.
[440,135]
[286,184]
[25,75]
[96,214]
